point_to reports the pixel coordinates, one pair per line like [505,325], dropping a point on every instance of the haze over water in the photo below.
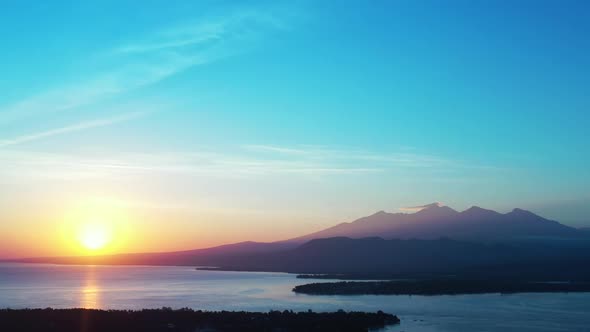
[137,287]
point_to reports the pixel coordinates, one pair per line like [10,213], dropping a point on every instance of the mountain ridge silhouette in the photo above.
[435,239]
[435,221]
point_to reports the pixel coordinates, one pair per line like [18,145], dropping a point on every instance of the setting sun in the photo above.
[94,235]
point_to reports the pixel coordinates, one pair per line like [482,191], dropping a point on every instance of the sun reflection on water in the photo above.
[90,297]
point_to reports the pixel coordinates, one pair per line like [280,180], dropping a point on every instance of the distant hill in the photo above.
[422,258]
[373,255]
[214,256]
[435,221]
[373,258]
[434,240]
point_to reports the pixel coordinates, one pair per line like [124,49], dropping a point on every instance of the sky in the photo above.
[188,124]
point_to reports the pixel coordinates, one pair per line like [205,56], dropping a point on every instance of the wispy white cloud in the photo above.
[71,128]
[420,207]
[236,26]
[239,163]
[242,162]
[154,58]
[352,155]
[276,149]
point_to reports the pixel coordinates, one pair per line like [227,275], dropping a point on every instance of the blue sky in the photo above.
[290,116]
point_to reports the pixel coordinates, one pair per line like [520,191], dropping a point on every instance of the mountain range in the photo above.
[434,240]
[435,221]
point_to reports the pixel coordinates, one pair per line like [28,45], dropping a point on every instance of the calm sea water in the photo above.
[136,287]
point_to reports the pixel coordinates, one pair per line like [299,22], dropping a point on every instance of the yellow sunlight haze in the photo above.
[95,227]
[95,235]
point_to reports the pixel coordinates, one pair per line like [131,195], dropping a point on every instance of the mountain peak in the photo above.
[436,210]
[433,205]
[421,207]
[521,212]
[478,211]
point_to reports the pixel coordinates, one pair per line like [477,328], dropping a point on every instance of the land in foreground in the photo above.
[438,287]
[166,319]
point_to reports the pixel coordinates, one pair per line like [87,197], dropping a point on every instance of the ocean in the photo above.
[137,287]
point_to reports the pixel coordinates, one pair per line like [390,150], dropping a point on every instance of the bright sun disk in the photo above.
[94,236]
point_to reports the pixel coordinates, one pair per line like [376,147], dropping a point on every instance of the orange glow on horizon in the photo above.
[95,227]
[102,225]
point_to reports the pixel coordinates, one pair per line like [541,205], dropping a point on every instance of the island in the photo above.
[438,287]
[181,320]
[359,276]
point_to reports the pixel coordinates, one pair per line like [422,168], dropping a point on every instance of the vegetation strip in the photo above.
[166,319]
[438,287]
